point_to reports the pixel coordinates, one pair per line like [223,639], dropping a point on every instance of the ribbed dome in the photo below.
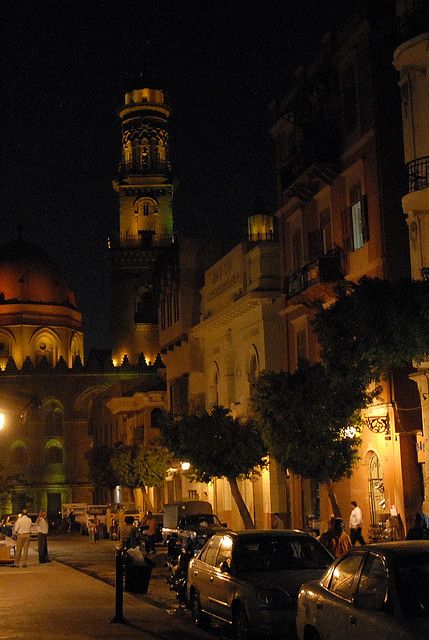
[28,274]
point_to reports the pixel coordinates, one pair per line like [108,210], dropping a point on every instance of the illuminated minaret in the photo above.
[145,190]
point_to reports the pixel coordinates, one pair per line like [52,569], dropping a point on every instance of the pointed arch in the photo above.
[45,343]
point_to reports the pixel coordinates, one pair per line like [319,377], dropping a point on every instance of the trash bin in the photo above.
[138,571]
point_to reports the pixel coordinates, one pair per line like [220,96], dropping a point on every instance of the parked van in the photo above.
[190,521]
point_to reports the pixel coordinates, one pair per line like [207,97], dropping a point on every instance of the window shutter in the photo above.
[365,224]
[346,220]
[315,249]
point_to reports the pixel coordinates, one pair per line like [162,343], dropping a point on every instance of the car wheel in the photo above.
[240,624]
[199,618]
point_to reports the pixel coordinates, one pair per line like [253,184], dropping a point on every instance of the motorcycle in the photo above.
[178,578]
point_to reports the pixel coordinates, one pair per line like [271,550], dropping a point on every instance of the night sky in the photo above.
[65,67]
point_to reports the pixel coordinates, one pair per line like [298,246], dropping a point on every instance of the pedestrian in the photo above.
[21,533]
[277,521]
[71,521]
[335,539]
[418,531]
[356,524]
[129,533]
[151,525]
[310,526]
[42,536]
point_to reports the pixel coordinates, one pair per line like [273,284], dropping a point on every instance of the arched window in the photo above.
[128,153]
[253,370]
[4,353]
[144,153]
[214,386]
[18,456]
[161,151]
[54,455]
[53,419]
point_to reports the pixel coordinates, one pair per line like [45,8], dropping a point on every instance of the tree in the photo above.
[218,445]
[7,485]
[131,466]
[310,422]
[136,466]
[375,326]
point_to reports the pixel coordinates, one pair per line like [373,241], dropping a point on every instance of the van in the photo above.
[191,521]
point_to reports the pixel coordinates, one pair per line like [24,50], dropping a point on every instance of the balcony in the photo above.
[144,240]
[320,271]
[418,174]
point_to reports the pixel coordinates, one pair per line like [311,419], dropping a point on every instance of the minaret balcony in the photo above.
[141,241]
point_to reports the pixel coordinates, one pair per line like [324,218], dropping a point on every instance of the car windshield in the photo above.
[206,520]
[412,583]
[277,553]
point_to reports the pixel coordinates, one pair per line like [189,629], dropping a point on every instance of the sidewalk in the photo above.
[56,602]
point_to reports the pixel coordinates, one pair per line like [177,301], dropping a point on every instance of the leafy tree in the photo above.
[310,423]
[375,326]
[218,445]
[131,466]
[7,485]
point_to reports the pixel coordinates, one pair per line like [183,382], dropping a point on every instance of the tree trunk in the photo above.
[147,504]
[241,505]
[333,498]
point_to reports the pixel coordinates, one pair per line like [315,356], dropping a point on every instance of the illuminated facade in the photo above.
[145,191]
[339,162]
[411,59]
[54,401]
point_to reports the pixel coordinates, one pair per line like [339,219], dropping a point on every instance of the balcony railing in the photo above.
[322,269]
[418,174]
[142,240]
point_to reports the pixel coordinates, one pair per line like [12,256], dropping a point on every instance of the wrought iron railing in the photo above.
[323,269]
[418,174]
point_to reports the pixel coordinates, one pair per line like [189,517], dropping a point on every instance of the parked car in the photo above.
[251,579]
[372,592]
[9,522]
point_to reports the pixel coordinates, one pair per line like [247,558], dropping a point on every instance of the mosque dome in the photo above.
[29,275]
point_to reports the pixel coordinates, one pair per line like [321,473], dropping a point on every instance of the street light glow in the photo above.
[2,420]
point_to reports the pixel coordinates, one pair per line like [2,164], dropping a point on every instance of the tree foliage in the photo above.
[307,419]
[129,466]
[218,445]
[7,485]
[374,327]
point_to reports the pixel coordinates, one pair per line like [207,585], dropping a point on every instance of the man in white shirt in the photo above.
[356,524]
[21,531]
[42,536]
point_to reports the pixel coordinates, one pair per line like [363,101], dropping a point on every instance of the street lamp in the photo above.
[2,421]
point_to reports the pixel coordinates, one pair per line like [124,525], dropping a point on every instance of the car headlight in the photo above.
[275,599]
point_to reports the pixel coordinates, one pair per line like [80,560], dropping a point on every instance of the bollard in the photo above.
[119,586]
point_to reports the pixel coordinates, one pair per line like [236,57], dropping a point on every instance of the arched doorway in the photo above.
[377,501]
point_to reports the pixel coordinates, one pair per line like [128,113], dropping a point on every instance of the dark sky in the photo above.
[65,66]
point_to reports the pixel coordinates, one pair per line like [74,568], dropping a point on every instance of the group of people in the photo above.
[335,538]
[133,535]
[22,533]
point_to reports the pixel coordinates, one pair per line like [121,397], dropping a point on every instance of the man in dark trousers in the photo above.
[356,524]
[42,536]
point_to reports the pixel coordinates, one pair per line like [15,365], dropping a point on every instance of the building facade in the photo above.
[411,59]
[337,136]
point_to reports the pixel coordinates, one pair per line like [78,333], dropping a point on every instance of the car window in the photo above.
[211,552]
[372,588]
[343,576]
[225,551]
[257,554]
[412,583]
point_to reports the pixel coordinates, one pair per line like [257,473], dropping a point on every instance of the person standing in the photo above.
[42,536]
[356,524]
[150,532]
[21,532]
[335,539]
[277,522]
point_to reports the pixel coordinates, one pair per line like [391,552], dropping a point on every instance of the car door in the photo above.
[372,617]
[333,605]
[222,583]
[202,571]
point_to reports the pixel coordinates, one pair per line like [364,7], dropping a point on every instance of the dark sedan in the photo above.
[372,592]
[251,579]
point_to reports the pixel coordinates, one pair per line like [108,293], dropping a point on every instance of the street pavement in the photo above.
[73,597]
